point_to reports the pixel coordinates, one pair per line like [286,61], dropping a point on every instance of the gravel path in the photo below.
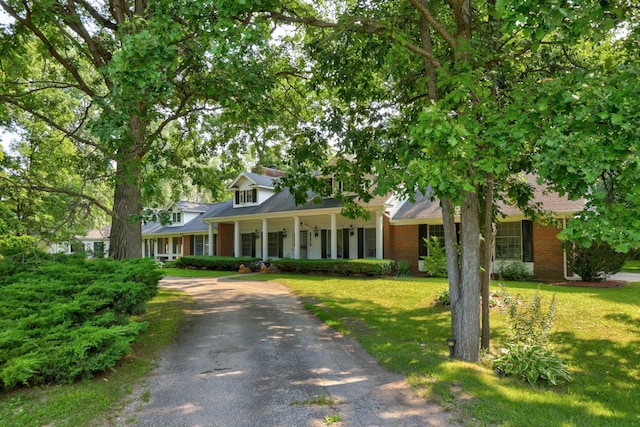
[251,355]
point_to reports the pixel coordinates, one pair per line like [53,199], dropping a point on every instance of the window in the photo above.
[98,249]
[177,245]
[200,245]
[246,196]
[370,242]
[163,245]
[247,245]
[274,244]
[176,217]
[509,241]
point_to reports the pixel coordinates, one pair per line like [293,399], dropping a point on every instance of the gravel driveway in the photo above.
[251,355]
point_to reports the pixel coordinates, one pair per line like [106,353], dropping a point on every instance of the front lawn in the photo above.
[597,331]
[632,266]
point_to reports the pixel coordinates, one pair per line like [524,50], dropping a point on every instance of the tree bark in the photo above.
[126,228]
[466,330]
[487,252]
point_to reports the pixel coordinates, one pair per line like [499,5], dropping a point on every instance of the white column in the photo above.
[296,237]
[236,239]
[211,248]
[144,245]
[170,248]
[334,237]
[265,241]
[379,246]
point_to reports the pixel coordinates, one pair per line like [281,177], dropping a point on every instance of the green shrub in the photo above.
[443,298]
[513,271]
[532,363]
[595,263]
[435,264]
[529,322]
[64,320]
[403,268]
[218,263]
[526,355]
[345,267]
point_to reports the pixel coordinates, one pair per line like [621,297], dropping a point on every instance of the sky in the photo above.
[5,137]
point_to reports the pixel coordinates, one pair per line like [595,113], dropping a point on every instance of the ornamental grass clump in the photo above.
[526,355]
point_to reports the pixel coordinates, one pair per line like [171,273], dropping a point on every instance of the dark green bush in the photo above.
[62,321]
[344,267]
[513,271]
[595,263]
[218,263]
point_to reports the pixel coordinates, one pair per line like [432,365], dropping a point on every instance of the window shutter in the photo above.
[254,195]
[323,244]
[345,244]
[192,244]
[360,243]
[422,234]
[527,241]
[280,244]
[237,197]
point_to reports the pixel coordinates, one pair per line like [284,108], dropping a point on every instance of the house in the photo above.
[260,221]
[185,234]
[95,243]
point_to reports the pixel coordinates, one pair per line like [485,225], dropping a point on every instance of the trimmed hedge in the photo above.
[345,267]
[220,263]
[63,321]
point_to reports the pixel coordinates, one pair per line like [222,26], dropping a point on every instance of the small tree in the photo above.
[436,262]
[596,262]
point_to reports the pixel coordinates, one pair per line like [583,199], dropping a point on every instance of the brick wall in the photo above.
[402,244]
[224,244]
[547,253]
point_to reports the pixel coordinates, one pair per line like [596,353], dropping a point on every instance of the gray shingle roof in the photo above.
[425,208]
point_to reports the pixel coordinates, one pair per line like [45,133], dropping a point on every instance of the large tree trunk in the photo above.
[453,266]
[466,329]
[126,228]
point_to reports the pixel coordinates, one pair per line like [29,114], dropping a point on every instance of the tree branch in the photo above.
[46,189]
[422,8]
[28,23]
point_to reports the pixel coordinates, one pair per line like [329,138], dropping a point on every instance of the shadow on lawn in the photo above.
[413,342]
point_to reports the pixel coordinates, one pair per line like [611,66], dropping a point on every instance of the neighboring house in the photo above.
[95,243]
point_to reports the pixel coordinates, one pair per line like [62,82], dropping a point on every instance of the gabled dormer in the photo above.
[181,213]
[251,189]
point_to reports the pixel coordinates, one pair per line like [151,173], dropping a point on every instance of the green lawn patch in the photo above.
[596,331]
[632,266]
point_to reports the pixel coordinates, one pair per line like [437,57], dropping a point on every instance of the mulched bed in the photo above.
[603,284]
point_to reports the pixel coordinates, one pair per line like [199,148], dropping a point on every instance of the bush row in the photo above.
[346,267]
[220,263]
[65,320]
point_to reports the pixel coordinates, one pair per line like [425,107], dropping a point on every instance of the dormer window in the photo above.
[246,196]
[176,217]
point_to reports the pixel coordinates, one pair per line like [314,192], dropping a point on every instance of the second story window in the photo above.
[176,217]
[246,196]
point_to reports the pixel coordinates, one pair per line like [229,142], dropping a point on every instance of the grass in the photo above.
[632,266]
[597,331]
[94,402]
